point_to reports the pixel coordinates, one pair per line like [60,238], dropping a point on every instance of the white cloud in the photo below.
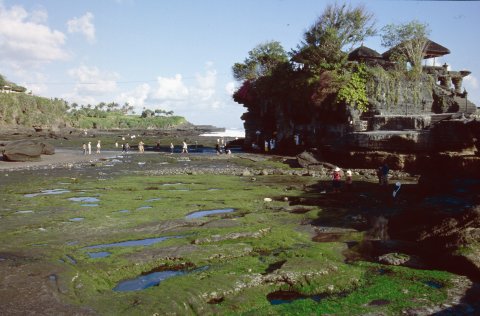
[136,97]
[471,82]
[201,101]
[230,88]
[83,25]
[25,39]
[205,86]
[92,85]
[170,89]
[39,16]
[472,85]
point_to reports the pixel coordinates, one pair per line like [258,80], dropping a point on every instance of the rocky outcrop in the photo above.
[27,150]
[454,233]
[310,161]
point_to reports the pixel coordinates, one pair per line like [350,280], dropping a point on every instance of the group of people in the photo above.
[220,147]
[337,180]
[382,174]
[87,148]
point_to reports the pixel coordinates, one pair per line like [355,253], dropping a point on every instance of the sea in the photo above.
[229,132]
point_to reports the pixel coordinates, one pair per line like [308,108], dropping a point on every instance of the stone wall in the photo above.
[400,122]
[400,97]
[395,141]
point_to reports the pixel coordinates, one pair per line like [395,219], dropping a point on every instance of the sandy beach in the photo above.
[61,157]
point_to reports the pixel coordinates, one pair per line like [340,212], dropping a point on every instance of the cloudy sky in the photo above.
[177,54]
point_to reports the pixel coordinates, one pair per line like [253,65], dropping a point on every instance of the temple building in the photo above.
[402,115]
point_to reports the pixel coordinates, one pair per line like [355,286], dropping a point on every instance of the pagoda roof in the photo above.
[432,49]
[363,52]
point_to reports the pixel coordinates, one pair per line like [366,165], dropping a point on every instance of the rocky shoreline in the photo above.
[452,233]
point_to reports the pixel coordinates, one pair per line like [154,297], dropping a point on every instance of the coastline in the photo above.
[61,157]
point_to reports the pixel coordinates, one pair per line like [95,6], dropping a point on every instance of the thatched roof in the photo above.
[362,53]
[432,49]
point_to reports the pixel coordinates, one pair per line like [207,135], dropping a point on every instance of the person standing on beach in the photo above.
[185,148]
[98,147]
[84,147]
[89,148]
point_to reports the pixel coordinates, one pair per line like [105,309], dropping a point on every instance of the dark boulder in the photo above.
[48,149]
[26,150]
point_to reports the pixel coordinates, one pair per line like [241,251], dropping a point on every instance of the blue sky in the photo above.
[177,54]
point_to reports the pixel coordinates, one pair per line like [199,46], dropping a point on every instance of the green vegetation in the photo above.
[354,93]
[116,120]
[315,73]
[28,110]
[318,85]
[237,249]
[407,42]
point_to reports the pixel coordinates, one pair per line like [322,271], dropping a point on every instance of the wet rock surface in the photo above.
[455,230]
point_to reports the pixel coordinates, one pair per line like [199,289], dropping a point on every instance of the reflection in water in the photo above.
[101,254]
[131,243]
[47,192]
[151,279]
[87,199]
[200,214]
[23,212]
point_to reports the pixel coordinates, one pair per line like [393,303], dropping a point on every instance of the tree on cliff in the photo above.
[261,61]
[407,43]
[323,51]
[339,28]
[257,70]
[306,85]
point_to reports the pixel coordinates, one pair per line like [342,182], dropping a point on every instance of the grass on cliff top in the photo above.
[115,119]
[237,249]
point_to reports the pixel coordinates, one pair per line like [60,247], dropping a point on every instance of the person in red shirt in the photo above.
[336,180]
